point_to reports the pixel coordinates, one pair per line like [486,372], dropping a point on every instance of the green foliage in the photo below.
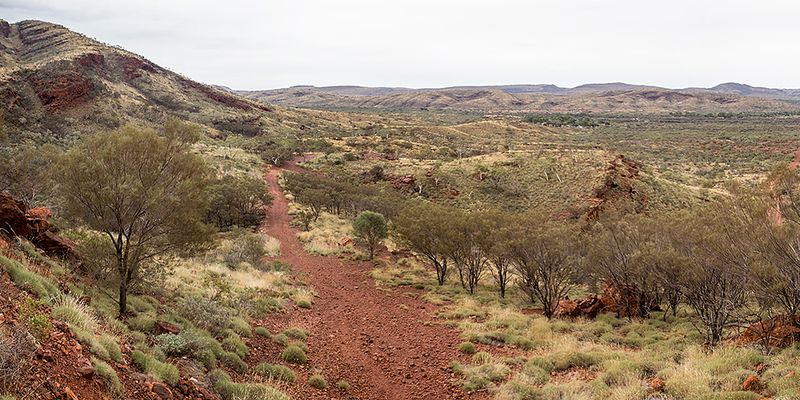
[278,372]
[28,280]
[109,376]
[142,323]
[294,354]
[111,346]
[343,385]
[204,313]
[280,339]
[237,201]
[370,228]
[296,333]
[105,175]
[159,370]
[467,348]
[240,326]
[172,345]
[233,361]
[261,331]
[234,343]
[317,381]
[229,390]
[37,322]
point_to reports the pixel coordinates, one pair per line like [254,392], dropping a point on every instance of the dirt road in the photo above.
[384,343]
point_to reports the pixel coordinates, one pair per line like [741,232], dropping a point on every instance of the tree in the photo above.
[370,228]
[469,250]
[238,201]
[28,174]
[146,192]
[714,282]
[425,228]
[277,152]
[544,259]
[501,228]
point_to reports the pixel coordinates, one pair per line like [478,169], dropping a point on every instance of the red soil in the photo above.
[384,343]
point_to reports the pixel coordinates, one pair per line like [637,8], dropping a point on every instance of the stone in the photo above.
[161,390]
[752,384]
[166,327]
[657,385]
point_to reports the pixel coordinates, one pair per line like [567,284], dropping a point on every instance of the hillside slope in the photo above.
[55,83]
[613,98]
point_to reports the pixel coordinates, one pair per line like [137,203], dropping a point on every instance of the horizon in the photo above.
[248,45]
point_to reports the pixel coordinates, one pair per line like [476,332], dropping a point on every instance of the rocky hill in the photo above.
[55,83]
[618,98]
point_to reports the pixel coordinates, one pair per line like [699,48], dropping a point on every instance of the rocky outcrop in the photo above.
[33,224]
[618,185]
[624,301]
[781,331]
[63,91]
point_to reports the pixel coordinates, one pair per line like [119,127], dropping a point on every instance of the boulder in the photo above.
[161,390]
[161,327]
[780,331]
[752,384]
[12,216]
[657,385]
[55,245]
[38,219]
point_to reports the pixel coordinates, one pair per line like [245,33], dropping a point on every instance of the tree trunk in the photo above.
[123,296]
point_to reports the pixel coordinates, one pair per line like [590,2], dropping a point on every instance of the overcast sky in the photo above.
[431,43]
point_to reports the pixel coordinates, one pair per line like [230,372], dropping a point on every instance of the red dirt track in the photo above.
[385,344]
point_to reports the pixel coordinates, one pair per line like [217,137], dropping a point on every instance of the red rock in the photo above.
[657,385]
[91,60]
[86,371]
[38,219]
[160,390]
[166,327]
[64,91]
[12,216]
[69,394]
[345,241]
[752,384]
[780,331]
[55,245]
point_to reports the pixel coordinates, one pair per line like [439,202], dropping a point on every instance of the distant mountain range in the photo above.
[591,98]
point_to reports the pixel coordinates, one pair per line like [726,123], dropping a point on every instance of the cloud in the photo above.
[265,44]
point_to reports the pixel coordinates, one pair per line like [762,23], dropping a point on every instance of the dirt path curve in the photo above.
[385,344]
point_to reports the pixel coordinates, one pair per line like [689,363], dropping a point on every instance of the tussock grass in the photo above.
[163,372]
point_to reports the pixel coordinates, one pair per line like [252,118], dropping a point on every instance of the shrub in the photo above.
[233,361]
[261,331]
[142,323]
[229,390]
[240,326]
[28,280]
[207,358]
[266,305]
[17,347]
[481,358]
[294,354]
[161,371]
[317,381]
[343,385]
[108,375]
[467,348]
[235,344]
[539,362]
[296,333]
[38,323]
[280,339]
[204,313]
[278,372]
[74,312]
[303,303]
[111,346]
[174,345]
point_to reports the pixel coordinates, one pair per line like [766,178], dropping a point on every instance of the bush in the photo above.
[467,348]
[280,339]
[261,331]
[227,389]
[161,371]
[294,354]
[303,303]
[247,247]
[108,375]
[38,323]
[317,381]
[240,326]
[235,344]
[207,358]
[111,346]
[481,358]
[233,361]
[278,372]
[237,201]
[296,333]
[343,385]
[142,323]
[17,348]
[174,345]
[204,313]
[28,280]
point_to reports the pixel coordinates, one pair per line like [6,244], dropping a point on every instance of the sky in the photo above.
[247,44]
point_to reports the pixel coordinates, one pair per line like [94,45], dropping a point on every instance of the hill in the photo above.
[609,98]
[55,83]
